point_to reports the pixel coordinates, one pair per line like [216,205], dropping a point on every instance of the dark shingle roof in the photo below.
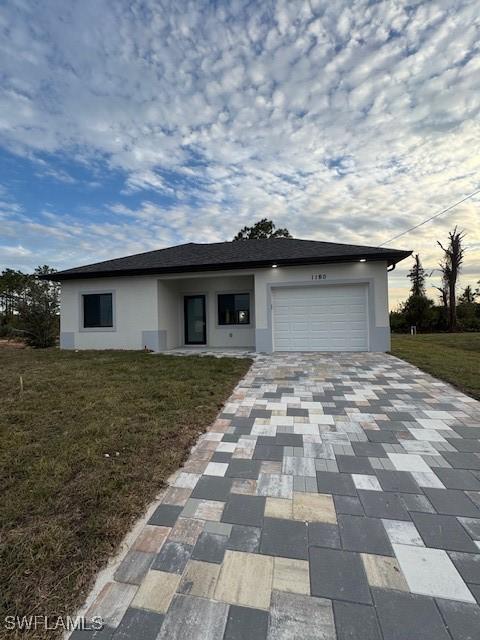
[232,255]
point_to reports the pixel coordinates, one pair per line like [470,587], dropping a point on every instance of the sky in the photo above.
[127,126]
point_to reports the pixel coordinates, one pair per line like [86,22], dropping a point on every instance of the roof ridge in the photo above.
[341,244]
[191,256]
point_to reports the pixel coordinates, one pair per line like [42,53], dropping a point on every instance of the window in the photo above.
[234,308]
[97,310]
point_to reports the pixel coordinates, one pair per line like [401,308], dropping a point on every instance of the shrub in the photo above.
[38,311]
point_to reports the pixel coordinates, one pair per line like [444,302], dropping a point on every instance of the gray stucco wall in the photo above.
[154,340]
[67,340]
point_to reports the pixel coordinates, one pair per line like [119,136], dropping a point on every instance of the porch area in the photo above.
[207,314]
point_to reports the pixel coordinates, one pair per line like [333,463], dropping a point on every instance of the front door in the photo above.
[195,320]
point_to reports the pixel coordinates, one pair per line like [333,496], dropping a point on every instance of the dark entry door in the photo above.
[195,320]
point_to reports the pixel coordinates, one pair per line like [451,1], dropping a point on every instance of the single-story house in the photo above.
[267,295]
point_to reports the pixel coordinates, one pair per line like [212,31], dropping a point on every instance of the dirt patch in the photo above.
[12,344]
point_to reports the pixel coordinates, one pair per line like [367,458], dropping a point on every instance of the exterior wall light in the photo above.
[363,259]
[274,266]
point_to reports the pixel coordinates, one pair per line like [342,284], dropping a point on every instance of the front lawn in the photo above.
[453,357]
[84,448]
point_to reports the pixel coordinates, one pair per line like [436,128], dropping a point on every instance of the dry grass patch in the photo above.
[66,505]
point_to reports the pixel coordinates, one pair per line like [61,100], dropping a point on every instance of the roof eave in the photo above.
[391,257]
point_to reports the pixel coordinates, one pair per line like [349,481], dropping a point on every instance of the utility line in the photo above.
[436,215]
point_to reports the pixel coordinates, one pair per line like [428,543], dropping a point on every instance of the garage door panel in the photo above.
[334,321]
[323,318]
[299,326]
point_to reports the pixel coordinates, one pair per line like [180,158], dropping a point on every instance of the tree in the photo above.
[398,322]
[262,230]
[37,309]
[468,310]
[418,311]
[443,310]
[417,277]
[12,286]
[468,296]
[450,268]
[443,290]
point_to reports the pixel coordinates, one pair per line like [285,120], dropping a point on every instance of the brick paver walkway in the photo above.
[336,496]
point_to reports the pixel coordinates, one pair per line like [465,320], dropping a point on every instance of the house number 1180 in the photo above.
[319,276]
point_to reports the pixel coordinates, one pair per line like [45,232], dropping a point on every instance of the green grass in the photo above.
[66,505]
[453,357]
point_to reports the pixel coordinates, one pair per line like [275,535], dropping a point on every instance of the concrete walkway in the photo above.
[336,496]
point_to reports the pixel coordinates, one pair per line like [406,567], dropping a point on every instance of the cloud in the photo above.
[341,121]
[15,252]
[13,256]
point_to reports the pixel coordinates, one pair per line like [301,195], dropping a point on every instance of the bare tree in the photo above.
[443,290]
[450,268]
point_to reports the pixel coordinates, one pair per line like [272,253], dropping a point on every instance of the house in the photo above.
[266,295]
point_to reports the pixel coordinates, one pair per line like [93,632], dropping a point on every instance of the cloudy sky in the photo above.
[132,125]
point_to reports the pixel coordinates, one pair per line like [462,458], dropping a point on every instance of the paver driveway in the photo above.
[336,496]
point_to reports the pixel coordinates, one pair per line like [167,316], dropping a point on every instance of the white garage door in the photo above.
[324,318]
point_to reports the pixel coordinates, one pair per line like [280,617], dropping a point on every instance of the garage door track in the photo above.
[336,496]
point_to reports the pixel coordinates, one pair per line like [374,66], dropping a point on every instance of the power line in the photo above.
[436,215]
